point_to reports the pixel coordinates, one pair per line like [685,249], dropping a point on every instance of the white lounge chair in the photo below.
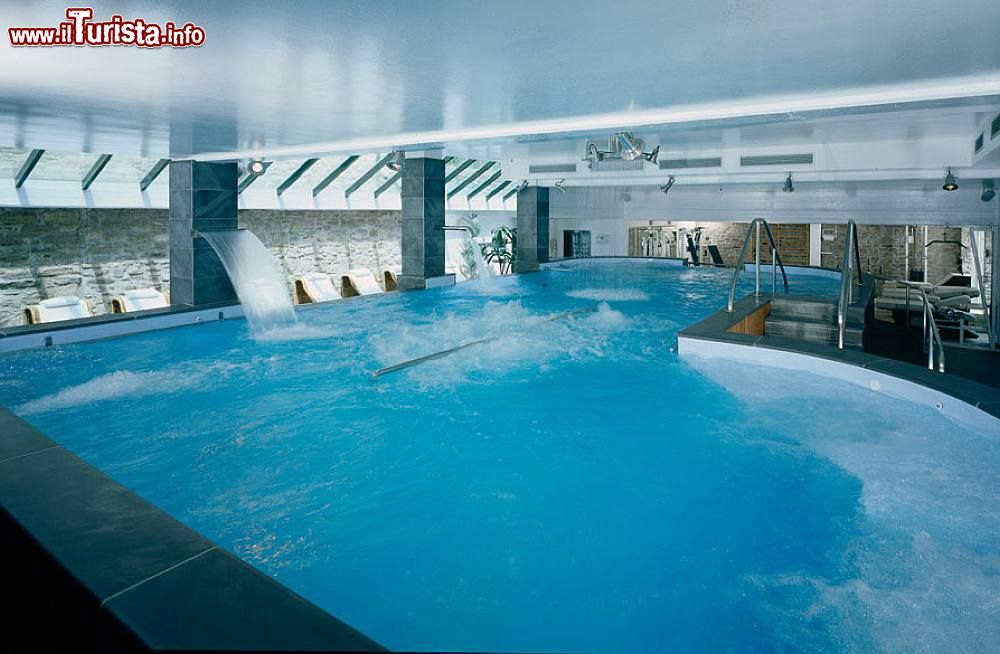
[315,287]
[140,299]
[64,307]
[389,280]
[359,281]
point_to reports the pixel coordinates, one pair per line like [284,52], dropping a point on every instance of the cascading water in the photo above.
[483,270]
[260,286]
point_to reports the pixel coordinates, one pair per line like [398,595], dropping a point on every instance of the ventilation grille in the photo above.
[677,164]
[776,160]
[617,165]
[979,143]
[552,168]
[995,128]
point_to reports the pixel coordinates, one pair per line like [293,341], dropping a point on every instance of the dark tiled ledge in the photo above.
[89,554]
[715,326]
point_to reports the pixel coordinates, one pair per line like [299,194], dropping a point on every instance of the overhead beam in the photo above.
[471,178]
[509,193]
[501,186]
[337,172]
[26,168]
[458,170]
[494,177]
[359,182]
[153,173]
[252,177]
[388,184]
[95,170]
[294,177]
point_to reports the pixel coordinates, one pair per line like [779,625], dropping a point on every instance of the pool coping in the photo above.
[710,338]
[138,574]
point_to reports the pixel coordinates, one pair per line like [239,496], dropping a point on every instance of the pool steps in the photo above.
[813,319]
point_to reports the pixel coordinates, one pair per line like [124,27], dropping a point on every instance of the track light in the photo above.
[666,187]
[594,153]
[989,192]
[950,183]
[397,162]
[788,188]
[631,146]
[560,185]
[652,156]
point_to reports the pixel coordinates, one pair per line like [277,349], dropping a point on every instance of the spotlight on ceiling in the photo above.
[989,190]
[397,162]
[631,146]
[523,185]
[788,188]
[666,187]
[257,167]
[652,156]
[594,153]
[950,183]
[560,185]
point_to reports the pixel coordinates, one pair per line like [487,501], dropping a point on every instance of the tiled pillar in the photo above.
[532,228]
[423,220]
[202,197]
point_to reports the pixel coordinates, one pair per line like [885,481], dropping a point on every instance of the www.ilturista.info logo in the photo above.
[81,30]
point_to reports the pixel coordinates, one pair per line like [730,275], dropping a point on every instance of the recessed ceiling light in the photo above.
[257,167]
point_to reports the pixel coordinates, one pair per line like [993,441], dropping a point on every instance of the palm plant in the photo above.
[501,248]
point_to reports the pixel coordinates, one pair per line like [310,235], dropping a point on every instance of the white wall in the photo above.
[600,210]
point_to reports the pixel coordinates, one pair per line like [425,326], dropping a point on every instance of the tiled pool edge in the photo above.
[142,576]
[960,399]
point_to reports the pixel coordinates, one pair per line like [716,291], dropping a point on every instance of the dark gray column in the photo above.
[423,220]
[532,228]
[202,197]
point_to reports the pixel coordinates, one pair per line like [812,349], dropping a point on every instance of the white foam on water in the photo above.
[609,294]
[111,386]
[923,574]
[606,317]
[297,332]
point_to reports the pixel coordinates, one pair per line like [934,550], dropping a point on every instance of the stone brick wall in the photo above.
[883,248]
[792,241]
[99,253]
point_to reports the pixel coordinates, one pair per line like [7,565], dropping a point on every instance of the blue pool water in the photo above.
[573,485]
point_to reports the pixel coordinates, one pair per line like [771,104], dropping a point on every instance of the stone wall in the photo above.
[883,250]
[792,241]
[99,253]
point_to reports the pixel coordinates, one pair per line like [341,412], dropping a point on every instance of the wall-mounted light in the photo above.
[666,187]
[989,190]
[397,162]
[560,185]
[788,187]
[950,183]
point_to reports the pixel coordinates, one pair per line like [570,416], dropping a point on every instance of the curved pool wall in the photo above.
[578,474]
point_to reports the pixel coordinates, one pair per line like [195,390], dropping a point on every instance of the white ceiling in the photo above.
[317,76]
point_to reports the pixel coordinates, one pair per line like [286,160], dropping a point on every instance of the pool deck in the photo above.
[715,329]
[94,567]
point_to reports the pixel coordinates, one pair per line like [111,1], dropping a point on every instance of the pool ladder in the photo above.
[754,229]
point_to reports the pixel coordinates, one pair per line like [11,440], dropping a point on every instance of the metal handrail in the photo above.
[846,277]
[775,257]
[931,334]
[982,289]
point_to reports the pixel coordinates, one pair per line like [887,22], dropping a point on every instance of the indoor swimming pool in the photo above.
[569,485]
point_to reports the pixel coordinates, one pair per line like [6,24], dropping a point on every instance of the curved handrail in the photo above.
[932,334]
[742,259]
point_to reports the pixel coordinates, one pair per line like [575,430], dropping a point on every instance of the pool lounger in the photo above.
[359,281]
[139,299]
[389,280]
[314,287]
[64,307]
